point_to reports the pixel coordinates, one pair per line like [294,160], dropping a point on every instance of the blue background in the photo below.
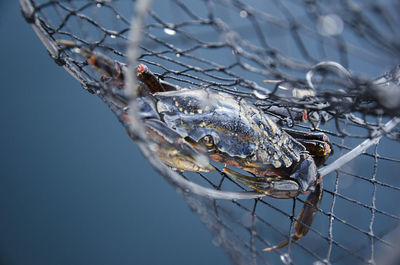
[74,189]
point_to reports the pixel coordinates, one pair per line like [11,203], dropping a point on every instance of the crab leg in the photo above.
[304,219]
[300,181]
[295,113]
[307,135]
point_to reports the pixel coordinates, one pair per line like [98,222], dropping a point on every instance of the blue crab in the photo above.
[188,127]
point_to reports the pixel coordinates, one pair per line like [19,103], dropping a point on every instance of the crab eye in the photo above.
[208,141]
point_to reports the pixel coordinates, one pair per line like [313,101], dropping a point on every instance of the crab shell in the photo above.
[242,135]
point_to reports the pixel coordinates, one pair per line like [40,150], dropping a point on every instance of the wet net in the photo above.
[335,59]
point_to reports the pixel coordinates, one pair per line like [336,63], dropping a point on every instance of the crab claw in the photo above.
[316,143]
[256,183]
[277,188]
[146,76]
[174,150]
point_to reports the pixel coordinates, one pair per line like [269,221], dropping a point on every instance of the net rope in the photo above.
[336,59]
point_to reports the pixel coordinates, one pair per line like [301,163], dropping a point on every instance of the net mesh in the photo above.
[329,57]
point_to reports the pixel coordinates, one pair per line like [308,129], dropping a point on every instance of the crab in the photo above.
[190,127]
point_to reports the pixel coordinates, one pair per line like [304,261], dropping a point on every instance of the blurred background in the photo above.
[74,188]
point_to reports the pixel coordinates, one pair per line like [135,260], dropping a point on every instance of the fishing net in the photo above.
[335,59]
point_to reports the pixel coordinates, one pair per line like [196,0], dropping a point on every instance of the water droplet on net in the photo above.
[260,94]
[99,5]
[243,14]
[169,31]
[76,50]
[118,17]
[285,258]
[330,25]
[112,36]
[178,55]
